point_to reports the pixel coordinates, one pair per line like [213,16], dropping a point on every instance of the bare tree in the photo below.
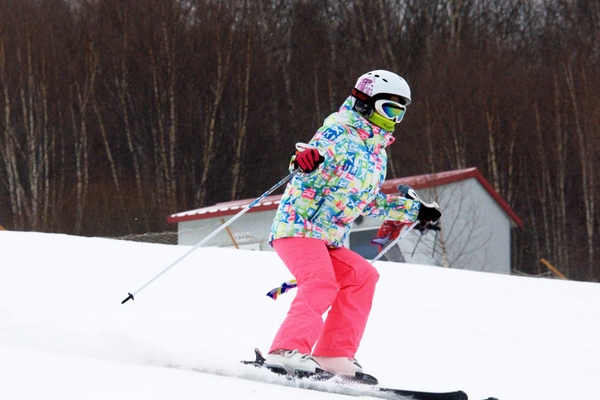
[80,105]
[26,130]
[9,147]
[223,48]
[243,109]
[586,157]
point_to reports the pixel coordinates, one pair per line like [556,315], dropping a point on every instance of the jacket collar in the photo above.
[375,138]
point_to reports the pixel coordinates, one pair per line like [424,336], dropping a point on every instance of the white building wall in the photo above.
[250,231]
[475,231]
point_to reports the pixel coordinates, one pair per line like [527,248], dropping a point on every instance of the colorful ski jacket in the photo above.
[323,204]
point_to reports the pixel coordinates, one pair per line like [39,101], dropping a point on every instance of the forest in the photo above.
[117,113]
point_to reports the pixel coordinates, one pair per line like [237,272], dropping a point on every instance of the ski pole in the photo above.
[415,249]
[434,243]
[393,243]
[213,234]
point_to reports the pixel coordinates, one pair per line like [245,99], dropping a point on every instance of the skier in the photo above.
[343,168]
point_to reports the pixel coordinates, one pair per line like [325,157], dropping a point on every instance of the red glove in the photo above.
[390,228]
[308,160]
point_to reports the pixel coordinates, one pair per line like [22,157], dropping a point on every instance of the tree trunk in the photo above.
[240,145]
[587,167]
[224,50]
[81,96]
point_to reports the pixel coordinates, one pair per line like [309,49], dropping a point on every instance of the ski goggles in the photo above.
[390,110]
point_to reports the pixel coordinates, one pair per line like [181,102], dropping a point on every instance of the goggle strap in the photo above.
[361,95]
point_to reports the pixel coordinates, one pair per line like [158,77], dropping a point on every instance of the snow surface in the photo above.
[64,333]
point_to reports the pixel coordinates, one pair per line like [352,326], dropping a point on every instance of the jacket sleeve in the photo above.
[332,143]
[396,208]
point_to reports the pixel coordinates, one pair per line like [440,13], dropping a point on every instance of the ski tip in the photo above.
[130,297]
[259,360]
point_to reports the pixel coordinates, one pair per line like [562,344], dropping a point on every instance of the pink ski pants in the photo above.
[336,278]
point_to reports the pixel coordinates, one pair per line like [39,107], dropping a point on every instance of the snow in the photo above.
[64,333]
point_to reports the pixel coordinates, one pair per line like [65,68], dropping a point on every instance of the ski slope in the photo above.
[64,333]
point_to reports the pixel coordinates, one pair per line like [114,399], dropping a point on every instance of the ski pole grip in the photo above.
[128,298]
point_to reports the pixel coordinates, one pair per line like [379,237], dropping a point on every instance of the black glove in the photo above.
[429,226]
[427,214]
[308,160]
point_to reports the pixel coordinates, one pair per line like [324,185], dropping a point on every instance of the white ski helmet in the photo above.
[376,85]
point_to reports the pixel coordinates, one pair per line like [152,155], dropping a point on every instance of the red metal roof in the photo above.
[225,208]
[389,186]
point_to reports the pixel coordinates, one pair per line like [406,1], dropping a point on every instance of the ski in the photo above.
[259,362]
[362,379]
[411,394]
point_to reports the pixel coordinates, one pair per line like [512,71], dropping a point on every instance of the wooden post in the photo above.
[553,269]
[230,235]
